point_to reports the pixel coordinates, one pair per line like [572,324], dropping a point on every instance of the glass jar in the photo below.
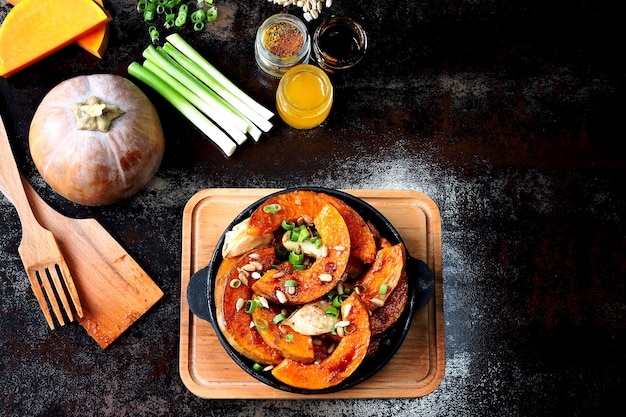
[304,96]
[339,43]
[282,41]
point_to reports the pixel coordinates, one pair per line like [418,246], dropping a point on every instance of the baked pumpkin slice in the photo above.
[383,318]
[233,317]
[342,362]
[302,203]
[304,286]
[290,343]
[379,281]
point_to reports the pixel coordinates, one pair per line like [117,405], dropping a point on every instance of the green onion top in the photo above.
[272,208]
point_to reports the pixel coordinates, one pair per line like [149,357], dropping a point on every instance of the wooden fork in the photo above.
[41,256]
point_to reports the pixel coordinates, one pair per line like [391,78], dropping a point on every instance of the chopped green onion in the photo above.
[272,208]
[332,312]
[303,234]
[235,283]
[250,306]
[383,289]
[198,26]
[317,241]
[225,144]
[278,318]
[289,337]
[261,324]
[257,367]
[198,16]
[287,225]
[154,34]
[299,267]
[294,235]
[296,258]
[291,283]
[337,300]
[211,13]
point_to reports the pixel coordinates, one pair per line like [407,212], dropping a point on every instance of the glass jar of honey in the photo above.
[282,41]
[304,96]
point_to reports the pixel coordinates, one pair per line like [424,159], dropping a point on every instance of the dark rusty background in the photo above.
[508,114]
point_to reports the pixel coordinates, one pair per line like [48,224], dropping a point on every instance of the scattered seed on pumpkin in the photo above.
[378,302]
[254,256]
[282,298]
[240,303]
[326,277]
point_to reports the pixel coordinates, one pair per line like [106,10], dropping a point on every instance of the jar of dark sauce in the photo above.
[339,43]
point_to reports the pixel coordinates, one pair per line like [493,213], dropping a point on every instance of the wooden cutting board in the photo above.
[114,290]
[416,369]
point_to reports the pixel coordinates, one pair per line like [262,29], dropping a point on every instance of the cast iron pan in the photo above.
[421,286]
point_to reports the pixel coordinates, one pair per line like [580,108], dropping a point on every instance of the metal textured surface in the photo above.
[507,114]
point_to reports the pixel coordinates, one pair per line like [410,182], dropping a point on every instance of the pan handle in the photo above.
[424,281]
[198,294]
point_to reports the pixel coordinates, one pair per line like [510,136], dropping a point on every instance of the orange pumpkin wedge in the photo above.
[344,360]
[34,29]
[324,273]
[290,343]
[382,277]
[383,318]
[94,42]
[295,204]
[233,320]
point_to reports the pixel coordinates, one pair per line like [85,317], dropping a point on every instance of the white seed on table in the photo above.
[318,5]
[329,3]
[307,16]
[314,13]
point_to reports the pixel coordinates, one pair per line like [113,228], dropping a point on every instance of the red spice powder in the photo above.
[283,39]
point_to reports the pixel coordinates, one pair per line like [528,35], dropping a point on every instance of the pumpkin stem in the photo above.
[95,114]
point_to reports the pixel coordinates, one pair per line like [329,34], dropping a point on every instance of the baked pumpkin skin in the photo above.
[295,204]
[94,167]
[341,363]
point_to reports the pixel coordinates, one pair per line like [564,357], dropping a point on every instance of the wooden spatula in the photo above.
[114,290]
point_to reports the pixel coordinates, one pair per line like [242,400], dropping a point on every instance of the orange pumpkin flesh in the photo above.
[344,360]
[93,167]
[383,318]
[386,270]
[295,204]
[290,343]
[235,323]
[334,233]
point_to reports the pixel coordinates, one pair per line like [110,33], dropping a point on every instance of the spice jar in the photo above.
[339,43]
[304,96]
[282,41]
